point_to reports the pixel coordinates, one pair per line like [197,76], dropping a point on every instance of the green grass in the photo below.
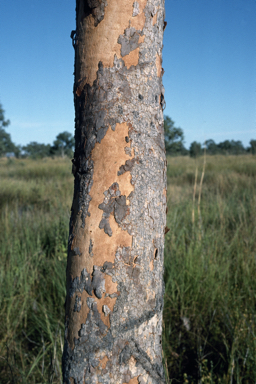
[210,267]
[210,264]
[34,215]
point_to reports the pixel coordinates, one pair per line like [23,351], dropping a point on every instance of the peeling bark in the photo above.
[115,255]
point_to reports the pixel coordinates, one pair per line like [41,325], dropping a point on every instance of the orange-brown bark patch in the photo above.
[107,156]
[138,21]
[76,319]
[101,41]
[141,39]
[132,58]
[158,65]
[106,300]
[103,362]
[154,20]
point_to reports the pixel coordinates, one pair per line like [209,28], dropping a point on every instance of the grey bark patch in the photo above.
[98,282]
[136,274]
[104,224]
[136,114]
[114,203]
[90,302]
[120,110]
[126,167]
[136,9]
[77,306]
[125,355]
[97,8]
[133,349]
[107,207]
[106,310]
[80,284]
[100,120]
[126,255]
[91,248]
[101,133]
[128,151]
[121,209]
[83,184]
[77,252]
[112,295]
[107,265]
[129,41]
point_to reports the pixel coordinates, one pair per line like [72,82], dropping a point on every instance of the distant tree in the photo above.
[63,145]
[231,147]
[3,122]
[252,147]
[211,147]
[36,150]
[174,138]
[237,147]
[224,147]
[195,149]
[6,144]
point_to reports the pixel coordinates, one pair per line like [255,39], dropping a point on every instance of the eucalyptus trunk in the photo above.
[116,245]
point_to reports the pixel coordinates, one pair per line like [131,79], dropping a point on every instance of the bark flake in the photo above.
[126,167]
[114,203]
[129,41]
[97,9]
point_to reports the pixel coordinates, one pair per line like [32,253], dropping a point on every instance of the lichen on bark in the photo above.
[114,273]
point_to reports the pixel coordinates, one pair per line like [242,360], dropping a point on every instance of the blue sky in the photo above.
[209,62]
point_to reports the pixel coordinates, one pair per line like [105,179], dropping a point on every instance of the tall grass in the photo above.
[210,267]
[34,214]
[210,264]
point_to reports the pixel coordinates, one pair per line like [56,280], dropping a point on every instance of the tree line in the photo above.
[174,144]
[64,144]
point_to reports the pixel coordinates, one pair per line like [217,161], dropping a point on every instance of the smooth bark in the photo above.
[116,244]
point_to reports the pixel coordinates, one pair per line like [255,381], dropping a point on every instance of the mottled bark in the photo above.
[116,244]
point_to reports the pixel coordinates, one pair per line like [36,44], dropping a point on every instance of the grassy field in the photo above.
[210,268]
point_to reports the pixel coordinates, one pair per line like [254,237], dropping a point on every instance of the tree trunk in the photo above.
[116,244]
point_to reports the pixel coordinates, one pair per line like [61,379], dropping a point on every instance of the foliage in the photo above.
[211,147]
[6,144]
[3,122]
[227,147]
[231,147]
[195,149]
[36,150]
[63,145]
[174,138]
[252,149]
